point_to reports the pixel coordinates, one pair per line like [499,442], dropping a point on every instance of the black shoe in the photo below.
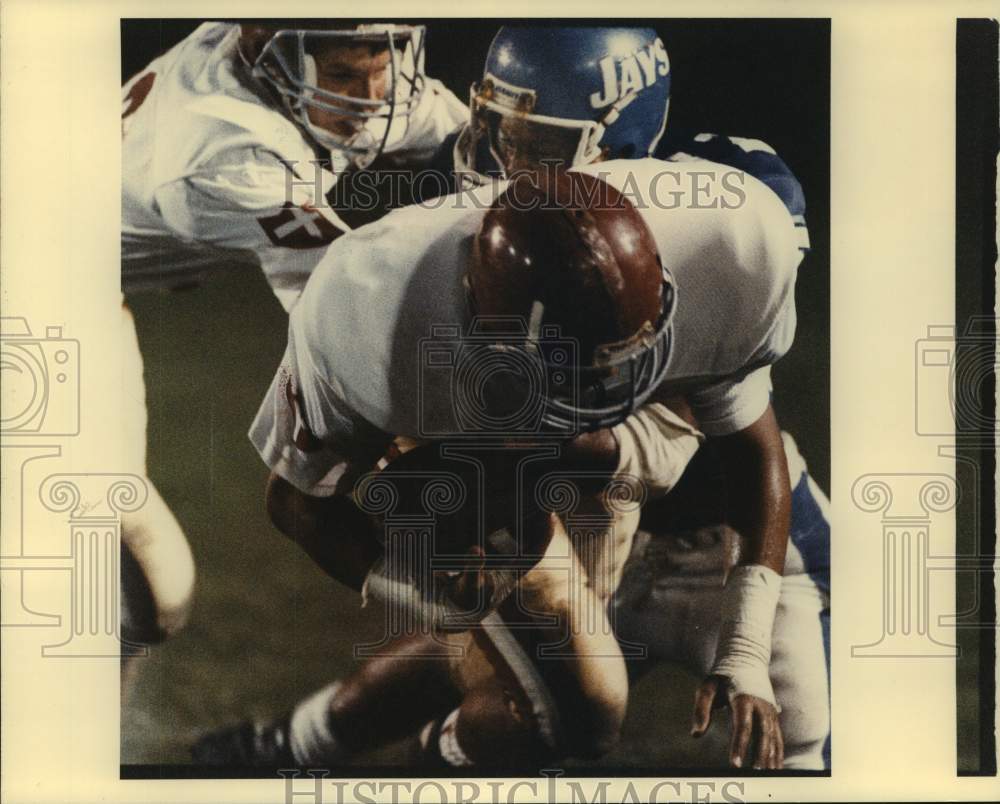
[247,745]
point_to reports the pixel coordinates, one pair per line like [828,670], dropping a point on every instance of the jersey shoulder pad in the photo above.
[742,153]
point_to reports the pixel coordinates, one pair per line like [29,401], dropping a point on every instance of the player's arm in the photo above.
[656,442]
[248,201]
[316,447]
[759,509]
[759,491]
[322,517]
[333,531]
[767,249]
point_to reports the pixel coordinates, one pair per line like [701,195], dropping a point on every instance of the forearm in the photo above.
[759,493]
[759,510]
[333,531]
[656,443]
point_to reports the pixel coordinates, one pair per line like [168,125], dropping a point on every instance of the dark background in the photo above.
[268,627]
[977,143]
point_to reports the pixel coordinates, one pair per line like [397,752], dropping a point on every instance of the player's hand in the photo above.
[754,721]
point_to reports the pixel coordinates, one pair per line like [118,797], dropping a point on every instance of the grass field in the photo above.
[268,626]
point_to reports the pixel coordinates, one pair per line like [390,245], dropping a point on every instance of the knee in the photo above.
[500,723]
[805,730]
[144,624]
[591,715]
[151,612]
[592,728]
[172,618]
[496,726]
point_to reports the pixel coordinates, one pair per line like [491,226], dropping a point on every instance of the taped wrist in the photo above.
[743,656]
[655,445]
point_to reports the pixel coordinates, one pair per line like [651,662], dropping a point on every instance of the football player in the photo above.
[365,364]
[618,109]
[739,318]
[580,95]
[231,141]
[517,124]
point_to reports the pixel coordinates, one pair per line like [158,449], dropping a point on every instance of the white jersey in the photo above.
[359,367]
[204,180]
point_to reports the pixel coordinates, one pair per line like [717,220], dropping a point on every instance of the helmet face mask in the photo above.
[620,379]
[520,140]
[361,127]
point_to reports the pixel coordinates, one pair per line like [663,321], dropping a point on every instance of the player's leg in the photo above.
[578,656]
[506,716]
[800,658]
[458,697]
[482,697]
[419,681]
[156,545]
[559,686]
[161,602]
[799,673]
[493,727]
[389,697]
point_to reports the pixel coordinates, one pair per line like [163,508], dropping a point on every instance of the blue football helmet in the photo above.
[572,94]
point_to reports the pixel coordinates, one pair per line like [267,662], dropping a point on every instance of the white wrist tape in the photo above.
[743,656]
[655,445]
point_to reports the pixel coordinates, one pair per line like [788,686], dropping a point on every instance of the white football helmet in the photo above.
[286,61]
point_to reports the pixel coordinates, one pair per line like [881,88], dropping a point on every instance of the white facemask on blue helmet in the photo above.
[287,63]
[573,94]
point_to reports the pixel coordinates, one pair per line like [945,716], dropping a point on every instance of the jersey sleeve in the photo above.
[731,405]
[249,201]
[751,156]
[307,434]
